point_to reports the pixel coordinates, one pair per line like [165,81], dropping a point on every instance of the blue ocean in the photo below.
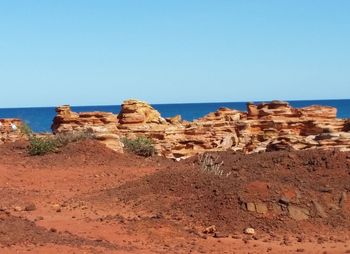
[40,119]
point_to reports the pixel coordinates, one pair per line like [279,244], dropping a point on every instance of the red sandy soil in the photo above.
[89,199]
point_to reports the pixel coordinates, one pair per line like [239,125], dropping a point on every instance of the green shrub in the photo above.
[141,146]
[26,130]
[42,145]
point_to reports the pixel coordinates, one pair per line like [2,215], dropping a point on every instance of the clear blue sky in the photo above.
[92,52]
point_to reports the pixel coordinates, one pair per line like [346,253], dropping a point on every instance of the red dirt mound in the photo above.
[84,153]
[299,192]
[100,201]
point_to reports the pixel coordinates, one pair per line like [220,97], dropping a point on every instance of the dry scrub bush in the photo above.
[26,130]
[74,136]
[209,164]
[141,146]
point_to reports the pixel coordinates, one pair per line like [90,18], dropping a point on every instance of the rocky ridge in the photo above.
[10,133]
[264,127]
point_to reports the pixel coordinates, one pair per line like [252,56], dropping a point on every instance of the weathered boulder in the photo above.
[112,141]
[174,120]
[298,213]
[139,112]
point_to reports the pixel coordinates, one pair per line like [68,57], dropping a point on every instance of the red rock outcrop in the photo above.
[10,130]
[99,122]
[265,126]
[271,110]
[102,124]
[138,112]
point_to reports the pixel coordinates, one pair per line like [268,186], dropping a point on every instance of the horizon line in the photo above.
[175,103]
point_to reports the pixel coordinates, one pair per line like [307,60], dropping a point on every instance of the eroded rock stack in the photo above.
[264,127]
[102,124]
[138,112]
[10,130]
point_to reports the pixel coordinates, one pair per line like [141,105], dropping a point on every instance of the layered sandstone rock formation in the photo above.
[103,124]
[138,112]
[264,127]
[99,122]
[9,133]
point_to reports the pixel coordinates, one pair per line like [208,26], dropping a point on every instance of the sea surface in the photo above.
[40,119]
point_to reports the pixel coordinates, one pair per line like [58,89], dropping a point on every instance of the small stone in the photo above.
[320,240]
[284,200]
[326,189]
[298,213]
[220,235]
[2,209]
[30,207]
[17,209]
[203,236]
[56,206]
[261,208]
[277,209]
[245,240]
[250,207]
[300,239]
[53,230]
[210,230]
[319,209]
[249,231]
[39,218]
[342,199]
